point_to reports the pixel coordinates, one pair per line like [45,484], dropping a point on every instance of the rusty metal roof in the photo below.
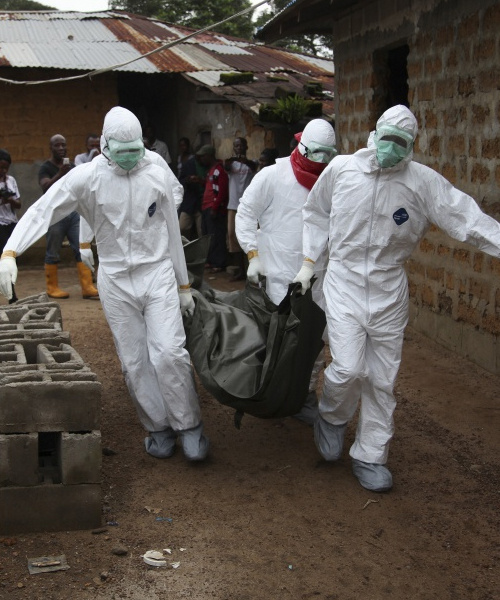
[89,41]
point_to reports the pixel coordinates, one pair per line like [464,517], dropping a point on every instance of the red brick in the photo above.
[443,250]
[445,303]
[415,268]
[468,27]
[449,172]
[432,66]
[466,86]
[480,289]
[450,281]
[444,36]
[484,50]
[461,255]
[491,148]
[435,146]
[491,20]
[452,60]
[427,295]
[435,274]
[427,247]
[431,119]
[477,262]
[494,264]
[487,80]
[446,88]
[479,173]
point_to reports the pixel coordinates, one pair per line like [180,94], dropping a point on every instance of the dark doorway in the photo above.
[390,67]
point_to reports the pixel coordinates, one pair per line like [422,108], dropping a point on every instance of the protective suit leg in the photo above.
[161,444]
[142,309]
[383,356]
[194,443]
[309,411]
[342,384]
[376,478]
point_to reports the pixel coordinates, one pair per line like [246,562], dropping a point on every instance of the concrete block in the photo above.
[80,458]
[19,459]
[12,354]
[61,357]
[64,402]
[53,507]
[42,314]
[40,298]
[31,339]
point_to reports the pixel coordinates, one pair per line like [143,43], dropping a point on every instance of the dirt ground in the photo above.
[265,517]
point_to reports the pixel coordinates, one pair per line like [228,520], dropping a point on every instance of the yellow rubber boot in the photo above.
[53,289]
[85,276]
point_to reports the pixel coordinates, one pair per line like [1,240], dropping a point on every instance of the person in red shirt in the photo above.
[214,208]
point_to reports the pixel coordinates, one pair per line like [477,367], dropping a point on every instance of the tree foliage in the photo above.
[194,13]
[317,45]
[23,5]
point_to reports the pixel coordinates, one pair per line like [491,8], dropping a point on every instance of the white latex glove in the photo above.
[87,258]
[8,275]
[304,276]
[254,270]
[187,302]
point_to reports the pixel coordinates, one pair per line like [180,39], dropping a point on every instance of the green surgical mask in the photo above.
[126,154]
[393,145]
[319,153]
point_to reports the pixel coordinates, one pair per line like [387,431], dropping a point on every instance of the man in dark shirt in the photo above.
[192,177]
[51,171]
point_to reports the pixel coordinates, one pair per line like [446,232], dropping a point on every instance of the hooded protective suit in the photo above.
[269,219]
[372,218]
[141,265]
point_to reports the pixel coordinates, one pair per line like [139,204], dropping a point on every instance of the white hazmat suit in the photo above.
[372,218]
[269,222]
[142,269]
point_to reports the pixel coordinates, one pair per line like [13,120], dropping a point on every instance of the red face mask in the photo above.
[306,171]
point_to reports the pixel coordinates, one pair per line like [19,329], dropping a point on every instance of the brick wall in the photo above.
[31,114]
[453,77]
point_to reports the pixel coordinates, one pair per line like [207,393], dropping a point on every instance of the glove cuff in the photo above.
[85,246]
[252,254]
[8,254]
[184,289]
[308,261]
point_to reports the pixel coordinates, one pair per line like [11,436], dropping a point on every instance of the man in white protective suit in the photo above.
[269,225]
[125,198]
[371,208]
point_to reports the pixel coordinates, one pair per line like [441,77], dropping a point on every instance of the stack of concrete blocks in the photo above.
[50,442]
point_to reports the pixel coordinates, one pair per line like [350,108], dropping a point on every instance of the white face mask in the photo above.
[126,154]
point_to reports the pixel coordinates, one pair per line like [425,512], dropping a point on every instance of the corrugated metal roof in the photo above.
[90,41]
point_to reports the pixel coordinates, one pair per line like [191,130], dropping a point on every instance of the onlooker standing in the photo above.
[214,207]
[192,177]
[154,144]
[267,158]
[51,171]
[240,170]
[93,149]
[184,154]
[9,203]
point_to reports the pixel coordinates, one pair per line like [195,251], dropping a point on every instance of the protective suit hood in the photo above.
[318,131]
[397,116]
[121,125]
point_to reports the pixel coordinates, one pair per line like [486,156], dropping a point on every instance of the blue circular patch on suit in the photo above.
[152,209]
[400,216]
